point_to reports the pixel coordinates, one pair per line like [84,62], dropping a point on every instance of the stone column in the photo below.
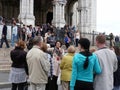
[93,13]
[85,10]
[26,15]
[58,13]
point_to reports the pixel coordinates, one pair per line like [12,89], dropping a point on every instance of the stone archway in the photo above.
[41,9]
[69,11]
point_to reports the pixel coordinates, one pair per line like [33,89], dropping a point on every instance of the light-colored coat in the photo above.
[38,66]
[108,63]
[66,67]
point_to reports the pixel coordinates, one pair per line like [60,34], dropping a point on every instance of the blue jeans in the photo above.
[13,40]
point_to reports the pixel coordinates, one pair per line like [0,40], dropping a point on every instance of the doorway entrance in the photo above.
[49,17]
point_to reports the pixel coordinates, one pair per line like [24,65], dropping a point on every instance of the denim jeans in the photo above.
[13,40]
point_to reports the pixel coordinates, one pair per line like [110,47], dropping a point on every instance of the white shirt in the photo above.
[15,30]
[77,35]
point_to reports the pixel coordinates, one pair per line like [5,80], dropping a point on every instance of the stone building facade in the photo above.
[81,13]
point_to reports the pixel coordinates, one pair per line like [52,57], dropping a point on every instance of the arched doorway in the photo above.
[49,17]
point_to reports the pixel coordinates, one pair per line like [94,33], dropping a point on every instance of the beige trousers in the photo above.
[65,85]
[37,86]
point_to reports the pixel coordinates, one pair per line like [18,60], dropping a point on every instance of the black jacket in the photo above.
[117,74]
[18,57]
[4,31]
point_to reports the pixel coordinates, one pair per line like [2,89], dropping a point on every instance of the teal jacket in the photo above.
[79,73]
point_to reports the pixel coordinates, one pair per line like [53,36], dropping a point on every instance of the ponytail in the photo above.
[86,63]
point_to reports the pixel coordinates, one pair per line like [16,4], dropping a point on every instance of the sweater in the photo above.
[18,57]
[78,71]
[66,67]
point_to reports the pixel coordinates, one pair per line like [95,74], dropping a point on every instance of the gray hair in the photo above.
[37,40]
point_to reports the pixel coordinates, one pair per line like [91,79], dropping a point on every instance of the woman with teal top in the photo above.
[84,66]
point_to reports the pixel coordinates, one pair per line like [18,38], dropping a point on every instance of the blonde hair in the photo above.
[71,49]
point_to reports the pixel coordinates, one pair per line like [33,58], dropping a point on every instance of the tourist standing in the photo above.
[85,65]
[49,85]
[38,66]
[66,68]
[117,73]
[4,36]
[51,40]
[111,36]
[57,56]
[29,33]
[108,63]
[77,37]
[14,34]
[19,70]
[67,40]
[24,30]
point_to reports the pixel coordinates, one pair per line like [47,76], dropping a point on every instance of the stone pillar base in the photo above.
[59,24]
[27,20]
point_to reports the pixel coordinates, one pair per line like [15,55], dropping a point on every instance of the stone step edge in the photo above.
[5,85]
[4,70]
[1,67]
[5,65]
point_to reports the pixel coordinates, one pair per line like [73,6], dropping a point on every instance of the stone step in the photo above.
[5,66]
[5,62]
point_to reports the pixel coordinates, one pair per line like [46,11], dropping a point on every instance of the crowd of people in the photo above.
[48,66]
[68,35]
[53,69]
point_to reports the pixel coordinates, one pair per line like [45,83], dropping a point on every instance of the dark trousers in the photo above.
[4,39]
[49,85]
[67,45]
[54,80]
[76,42]
[23,37]
[52,83]
[82,85]
[19,86]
